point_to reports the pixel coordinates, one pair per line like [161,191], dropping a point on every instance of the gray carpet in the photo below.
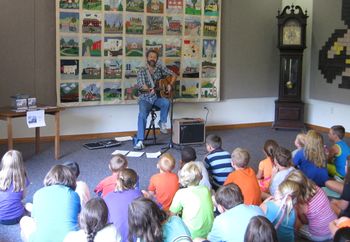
[94,163]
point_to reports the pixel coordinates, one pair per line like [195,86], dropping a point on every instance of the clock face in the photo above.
[291,33]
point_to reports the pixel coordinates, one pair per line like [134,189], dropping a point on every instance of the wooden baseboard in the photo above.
[131,133]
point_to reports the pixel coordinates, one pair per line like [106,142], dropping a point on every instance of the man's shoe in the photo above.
[139,145]
[162,127]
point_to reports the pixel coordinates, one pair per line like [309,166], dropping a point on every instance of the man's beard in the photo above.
[152,63]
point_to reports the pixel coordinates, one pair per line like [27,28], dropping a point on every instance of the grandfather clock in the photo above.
[289,108]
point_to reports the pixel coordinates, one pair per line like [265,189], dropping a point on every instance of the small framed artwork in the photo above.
[69,4]
[191,48]
[155,6]
[92,5]
[69,69]
[69,22]
[113,68]
[192,26]
[135,6]
[91,46]
[91,23]
[210,27]
[113,46]
[211,7]
[189,88]
[91,92]
[190,68]
[174,6]
[133,46]
[209,49]
[173,64]
[134,24]
[154,25]
[130,90]
[69,46]
[172,47]
[208,69]
[173,25]
[113,23]
[155,43]
[209,89]
[113,5]
[193,7]
[69,92]
[91,69]
[112,91]
[132,66]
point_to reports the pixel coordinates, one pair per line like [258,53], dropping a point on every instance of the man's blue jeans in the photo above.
[144,110]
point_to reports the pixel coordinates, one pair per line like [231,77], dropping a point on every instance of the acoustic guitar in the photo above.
[161,88]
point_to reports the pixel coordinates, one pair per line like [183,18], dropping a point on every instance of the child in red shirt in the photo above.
[244,177]
[165,184]
[107,185]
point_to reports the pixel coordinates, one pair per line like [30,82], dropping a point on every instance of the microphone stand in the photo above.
[170,145]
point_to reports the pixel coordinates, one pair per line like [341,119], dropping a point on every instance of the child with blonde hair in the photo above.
[245,177]
[13,183]
[311,159]
[107,185]
[265,166]
[194,201]
[299,142]
[313,208]
[279,209]
[165,184]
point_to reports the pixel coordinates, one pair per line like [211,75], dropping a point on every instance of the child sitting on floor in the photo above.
[283,166]
[265,166]
[217,161]
[299,143]
[244,177]
[107,185]
[311,159]
[194,202]
[165,184]
[82,188]
[338,152]
[313,209]
[13,183]
[280,210]
[188,154]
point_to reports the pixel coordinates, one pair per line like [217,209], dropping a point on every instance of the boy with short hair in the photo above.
[338,152]
[107,185]
[188,154]
[231,224]
[217,161]
[244,177]
[165,184]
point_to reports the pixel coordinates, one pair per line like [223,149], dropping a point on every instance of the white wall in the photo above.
[118,118]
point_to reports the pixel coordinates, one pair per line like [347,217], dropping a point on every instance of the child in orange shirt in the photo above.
[244,177]
[107,185]
[265,166]
[165,184]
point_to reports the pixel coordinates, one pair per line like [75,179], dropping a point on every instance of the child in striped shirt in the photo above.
[217,161]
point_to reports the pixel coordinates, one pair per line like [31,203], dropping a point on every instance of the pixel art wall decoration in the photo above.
[334,56]
[101,44]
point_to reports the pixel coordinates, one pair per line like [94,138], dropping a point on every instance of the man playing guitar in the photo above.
[148,79]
